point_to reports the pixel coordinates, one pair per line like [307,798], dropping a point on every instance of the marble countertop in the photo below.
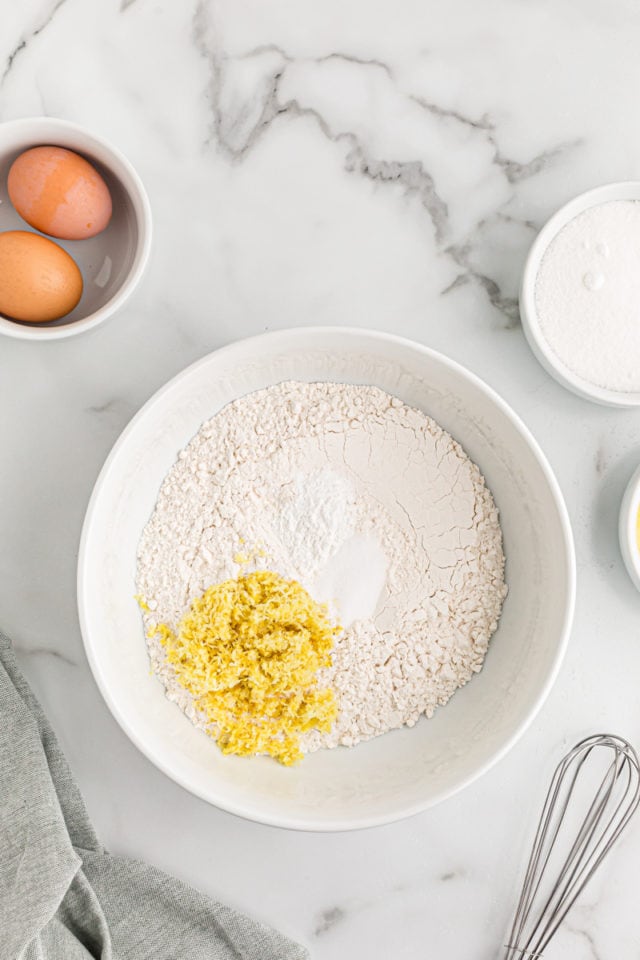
[372,164]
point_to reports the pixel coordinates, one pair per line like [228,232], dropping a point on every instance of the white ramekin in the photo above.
[629,190]
[627,528]
[112,262]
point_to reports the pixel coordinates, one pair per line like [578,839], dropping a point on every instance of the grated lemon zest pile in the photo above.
[249,651]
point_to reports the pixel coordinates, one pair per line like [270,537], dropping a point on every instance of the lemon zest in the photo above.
[249,651]
[142,603]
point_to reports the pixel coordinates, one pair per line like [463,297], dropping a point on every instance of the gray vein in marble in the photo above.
[270,110]
[360,61]
[125,4]
[107,407]
[200,25]
[325,58]
[328,920]
[509,218]
[585,935]
[413,177]
[508,306]
[334,916]
[44,652]
[25,40]
[116,406]
[238,135]
[484,123]
[515,172]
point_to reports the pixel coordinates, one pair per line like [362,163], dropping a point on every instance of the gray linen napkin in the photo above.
[62,896]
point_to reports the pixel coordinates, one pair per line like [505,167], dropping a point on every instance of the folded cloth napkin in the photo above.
[62,896]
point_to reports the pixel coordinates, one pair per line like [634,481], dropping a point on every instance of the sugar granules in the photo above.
[587,295]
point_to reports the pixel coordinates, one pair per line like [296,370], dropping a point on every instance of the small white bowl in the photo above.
[628,528]
[629,190]
[404,771]
[112,262]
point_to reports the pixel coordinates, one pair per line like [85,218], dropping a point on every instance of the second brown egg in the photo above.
[39,281]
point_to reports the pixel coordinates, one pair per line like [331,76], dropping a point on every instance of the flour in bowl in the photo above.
[366,502]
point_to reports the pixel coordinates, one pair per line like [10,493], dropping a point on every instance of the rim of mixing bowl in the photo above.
[244,809]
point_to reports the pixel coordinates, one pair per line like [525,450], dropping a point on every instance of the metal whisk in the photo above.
[594,792]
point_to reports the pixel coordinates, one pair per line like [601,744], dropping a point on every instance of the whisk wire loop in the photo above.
[549,894]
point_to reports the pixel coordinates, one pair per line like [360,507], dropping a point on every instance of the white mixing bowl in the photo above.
[402,772]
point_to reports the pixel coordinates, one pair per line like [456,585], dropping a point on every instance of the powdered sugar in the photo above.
[372,507]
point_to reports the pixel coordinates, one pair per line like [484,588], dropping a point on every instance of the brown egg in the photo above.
[39,281]
[60,193]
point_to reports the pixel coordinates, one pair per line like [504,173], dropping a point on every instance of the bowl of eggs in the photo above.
[75,229]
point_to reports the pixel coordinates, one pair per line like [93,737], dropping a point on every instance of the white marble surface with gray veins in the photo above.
[374,164]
